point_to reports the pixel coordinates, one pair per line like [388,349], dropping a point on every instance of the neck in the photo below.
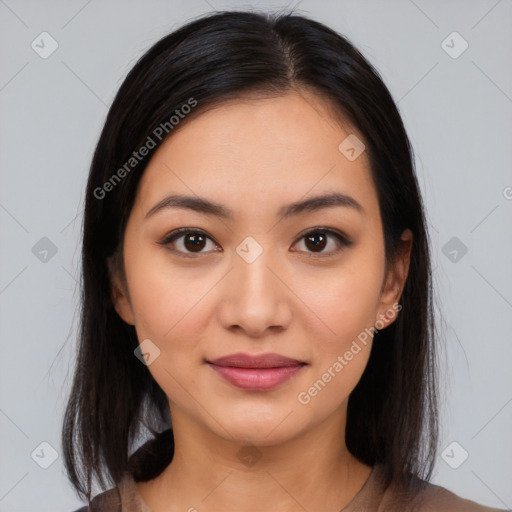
[314,471]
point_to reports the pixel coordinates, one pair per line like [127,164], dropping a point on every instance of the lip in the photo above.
[257,373]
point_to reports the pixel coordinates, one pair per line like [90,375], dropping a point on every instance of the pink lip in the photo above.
[256,373]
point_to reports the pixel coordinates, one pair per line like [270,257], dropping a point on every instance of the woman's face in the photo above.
[253,281]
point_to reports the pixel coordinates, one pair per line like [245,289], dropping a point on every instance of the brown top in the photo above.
[372,497]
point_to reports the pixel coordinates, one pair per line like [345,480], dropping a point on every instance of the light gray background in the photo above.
[457,112]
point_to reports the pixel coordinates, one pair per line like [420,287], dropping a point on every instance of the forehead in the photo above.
[263,150]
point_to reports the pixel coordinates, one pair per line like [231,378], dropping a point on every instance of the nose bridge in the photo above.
[252,271]
[255,298]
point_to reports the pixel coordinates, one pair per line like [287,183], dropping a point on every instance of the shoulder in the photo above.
[434,498]
[108,501]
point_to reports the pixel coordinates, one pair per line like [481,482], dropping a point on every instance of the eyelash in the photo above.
[178,233]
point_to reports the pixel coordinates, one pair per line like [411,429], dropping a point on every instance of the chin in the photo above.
[268,427]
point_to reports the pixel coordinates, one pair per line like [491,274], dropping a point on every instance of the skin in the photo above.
[254,156]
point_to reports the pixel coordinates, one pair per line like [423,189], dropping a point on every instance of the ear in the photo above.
[394,282]
[119,291]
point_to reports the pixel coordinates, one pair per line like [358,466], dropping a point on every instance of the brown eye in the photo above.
[186,241]
[194,242]
[318,239]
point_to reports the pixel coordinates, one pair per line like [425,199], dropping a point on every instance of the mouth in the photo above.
[256,373]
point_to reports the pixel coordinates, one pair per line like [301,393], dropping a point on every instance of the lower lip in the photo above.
[256,379]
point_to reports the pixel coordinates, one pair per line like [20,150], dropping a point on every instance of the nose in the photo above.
[255,299]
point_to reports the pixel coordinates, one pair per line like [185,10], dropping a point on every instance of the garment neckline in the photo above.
[364,491]
[130,490]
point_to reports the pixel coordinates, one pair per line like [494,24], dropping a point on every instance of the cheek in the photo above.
[346,301]
[347,305]
[169,306]
[166,299]
[333,382]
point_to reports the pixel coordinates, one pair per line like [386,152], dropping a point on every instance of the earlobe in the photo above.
[395,282]
[119,295]
[122,305]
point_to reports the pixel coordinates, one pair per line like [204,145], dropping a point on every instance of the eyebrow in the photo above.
[207,207]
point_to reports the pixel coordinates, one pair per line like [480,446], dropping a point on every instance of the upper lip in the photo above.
[241,360]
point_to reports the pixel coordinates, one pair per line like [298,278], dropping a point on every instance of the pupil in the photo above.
[197,240]
[315,245]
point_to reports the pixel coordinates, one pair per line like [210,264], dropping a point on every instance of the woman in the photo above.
[256,284]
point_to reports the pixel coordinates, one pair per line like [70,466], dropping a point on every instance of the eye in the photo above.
[194,241]
[316,240]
